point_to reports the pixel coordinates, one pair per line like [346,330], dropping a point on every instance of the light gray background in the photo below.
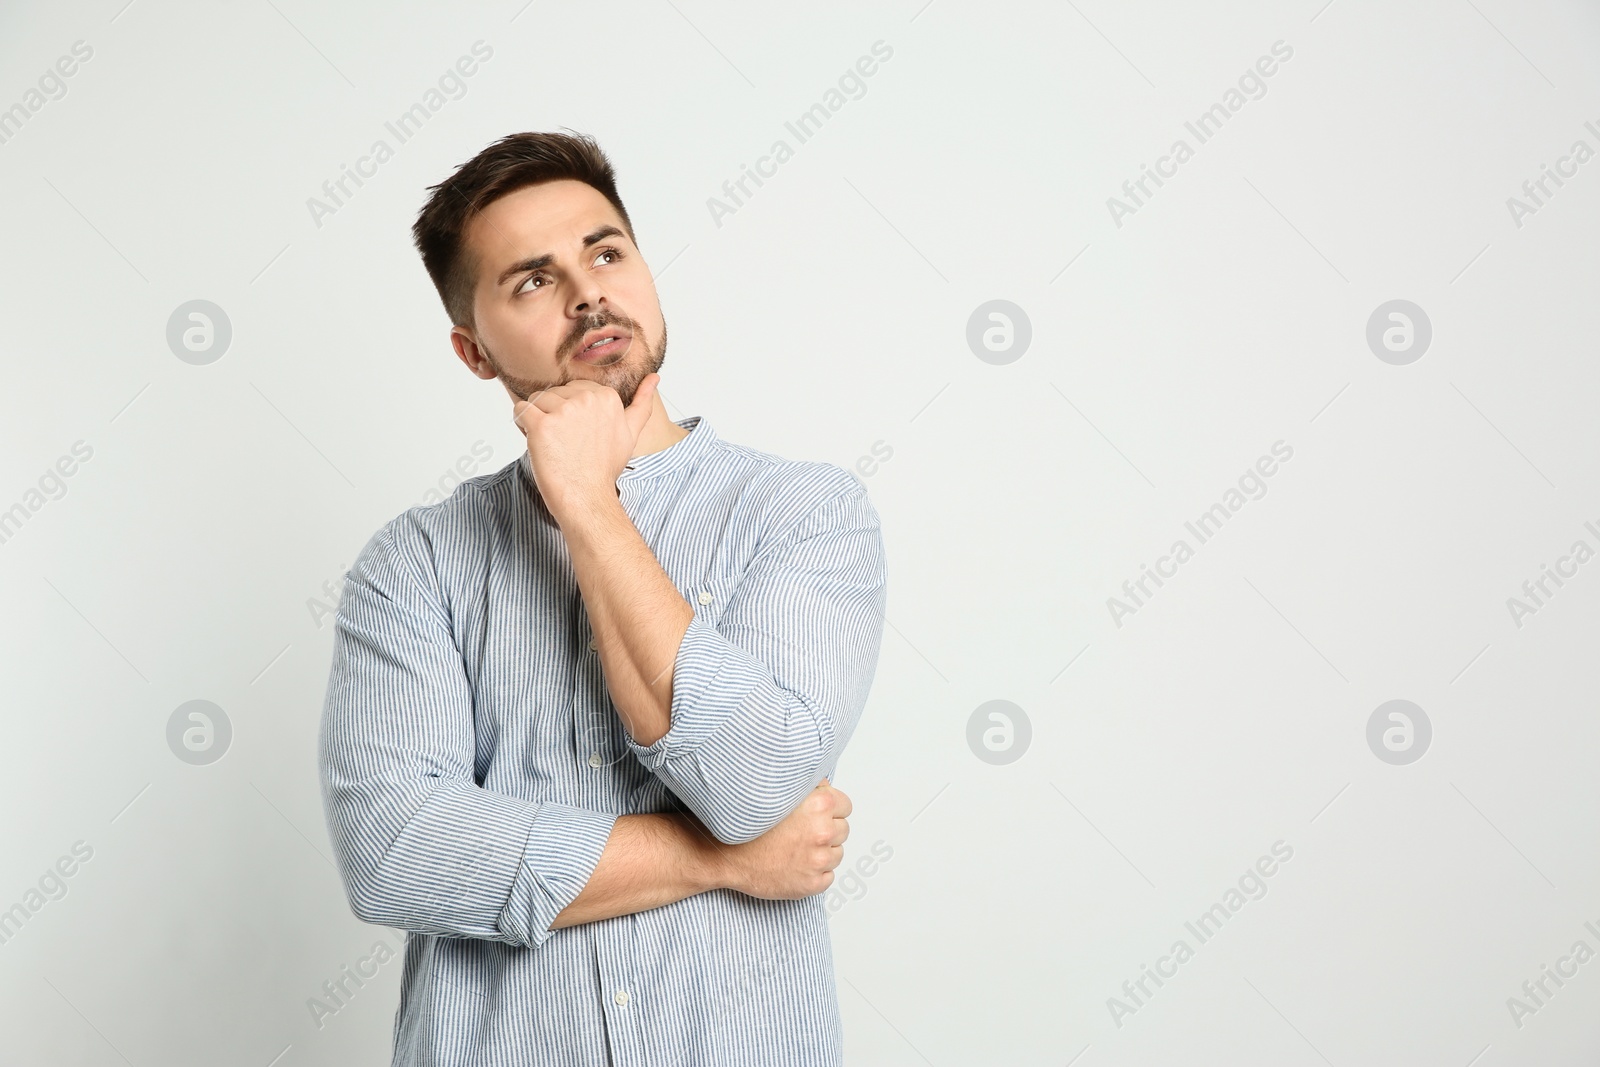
[829,313]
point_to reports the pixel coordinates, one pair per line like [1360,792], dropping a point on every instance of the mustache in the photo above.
[570,346]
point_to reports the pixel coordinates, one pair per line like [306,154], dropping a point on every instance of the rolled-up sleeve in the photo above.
[420,845]
[764,701]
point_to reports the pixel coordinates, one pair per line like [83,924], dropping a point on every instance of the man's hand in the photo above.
[796,858]
[580,437]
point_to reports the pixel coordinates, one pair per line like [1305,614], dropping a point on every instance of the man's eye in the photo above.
[523,288]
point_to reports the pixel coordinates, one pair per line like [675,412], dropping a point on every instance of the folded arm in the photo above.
[741,718]
[420,846]
[653,860]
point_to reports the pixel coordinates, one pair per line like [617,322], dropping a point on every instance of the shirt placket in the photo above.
[619,996]
[592,744]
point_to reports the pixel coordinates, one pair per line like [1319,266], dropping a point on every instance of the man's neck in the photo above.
[659,431]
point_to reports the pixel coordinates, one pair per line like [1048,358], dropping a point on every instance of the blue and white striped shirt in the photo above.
[472,763]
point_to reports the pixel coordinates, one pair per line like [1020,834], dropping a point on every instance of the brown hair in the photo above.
[514,161]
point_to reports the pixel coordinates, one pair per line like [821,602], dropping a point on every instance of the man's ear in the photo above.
[465,341]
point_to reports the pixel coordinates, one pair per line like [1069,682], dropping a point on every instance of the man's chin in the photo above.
[623,375]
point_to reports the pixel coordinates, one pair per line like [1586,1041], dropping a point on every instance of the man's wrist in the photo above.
[577,507]
[708,863]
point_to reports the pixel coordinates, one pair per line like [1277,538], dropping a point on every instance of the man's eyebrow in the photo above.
[540,262]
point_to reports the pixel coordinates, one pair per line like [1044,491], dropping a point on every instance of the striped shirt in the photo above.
[472,763]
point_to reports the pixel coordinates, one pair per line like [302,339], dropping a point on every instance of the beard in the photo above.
[623,373]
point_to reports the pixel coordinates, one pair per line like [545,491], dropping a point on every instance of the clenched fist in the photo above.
[580,438]
[796,858]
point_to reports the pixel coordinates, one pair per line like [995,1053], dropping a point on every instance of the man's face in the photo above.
[556,270]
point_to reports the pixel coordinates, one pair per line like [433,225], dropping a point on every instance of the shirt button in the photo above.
[593,644]
[705,597]
[621,998]
[595,759]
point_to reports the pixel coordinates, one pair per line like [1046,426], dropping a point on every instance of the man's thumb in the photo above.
[644,395]
[638,412]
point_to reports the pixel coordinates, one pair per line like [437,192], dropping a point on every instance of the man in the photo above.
[582,714]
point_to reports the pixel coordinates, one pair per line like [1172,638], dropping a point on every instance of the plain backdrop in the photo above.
[1159,751]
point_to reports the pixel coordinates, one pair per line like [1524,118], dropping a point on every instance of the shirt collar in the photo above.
[680,455]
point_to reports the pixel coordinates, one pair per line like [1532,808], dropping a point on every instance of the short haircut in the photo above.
[511,163]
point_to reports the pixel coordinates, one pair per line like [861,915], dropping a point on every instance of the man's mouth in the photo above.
[604,347]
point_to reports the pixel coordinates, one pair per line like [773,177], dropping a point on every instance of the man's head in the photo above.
[534,257]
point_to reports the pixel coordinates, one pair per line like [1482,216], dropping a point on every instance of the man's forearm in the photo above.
[649,860]
[637,614]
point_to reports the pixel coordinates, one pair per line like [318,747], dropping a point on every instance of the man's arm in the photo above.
[649,861]
[637,614]
[420,845]
[739,720]
[653,860]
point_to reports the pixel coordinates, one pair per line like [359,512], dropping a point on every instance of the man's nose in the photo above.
[588,297]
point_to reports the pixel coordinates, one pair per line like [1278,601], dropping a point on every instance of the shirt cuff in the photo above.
[711,677]
[564,845]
